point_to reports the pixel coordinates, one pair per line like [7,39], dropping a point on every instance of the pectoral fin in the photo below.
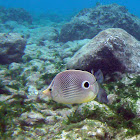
[99,76]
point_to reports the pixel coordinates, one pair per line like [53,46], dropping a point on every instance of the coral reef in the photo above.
[31,56]
[15,14]
[89,22]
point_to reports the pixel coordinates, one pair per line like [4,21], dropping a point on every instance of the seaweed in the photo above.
[9,113]
[122,113]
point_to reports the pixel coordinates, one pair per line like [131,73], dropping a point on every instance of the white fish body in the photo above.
[73,86]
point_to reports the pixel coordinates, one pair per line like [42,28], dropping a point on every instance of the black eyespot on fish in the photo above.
[85,84]
[50,89]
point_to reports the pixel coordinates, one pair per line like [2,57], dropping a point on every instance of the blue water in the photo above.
[67,6]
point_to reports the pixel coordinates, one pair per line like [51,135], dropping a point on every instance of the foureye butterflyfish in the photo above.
[72,87]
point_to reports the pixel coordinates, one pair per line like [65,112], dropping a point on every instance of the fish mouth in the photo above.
[47,92]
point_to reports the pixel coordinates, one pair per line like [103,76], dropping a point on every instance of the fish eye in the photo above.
[50,89]
[85,84]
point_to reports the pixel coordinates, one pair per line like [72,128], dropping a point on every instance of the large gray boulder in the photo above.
[89,22]
[111,50]
[12,47]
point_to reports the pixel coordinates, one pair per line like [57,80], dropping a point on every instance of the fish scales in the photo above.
[73,86]
[70,85]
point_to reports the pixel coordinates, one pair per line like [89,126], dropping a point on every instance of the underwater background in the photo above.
[41,38]
[67,6]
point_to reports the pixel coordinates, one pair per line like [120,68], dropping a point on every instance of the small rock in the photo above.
[4,98]
[32,98]
[8,52]
[42,97]
[32,90]
[50,120]
[31,118]
[48,112]
[111,98]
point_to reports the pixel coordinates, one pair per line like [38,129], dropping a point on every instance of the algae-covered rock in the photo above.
[87,129]
[12,47]
[15,14]
[28,114]
[25,113]
[31,118]
[39,35]
[112,50]
[37,117]
[90,21]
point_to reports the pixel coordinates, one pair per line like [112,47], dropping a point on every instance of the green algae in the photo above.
[119,118]
[121,114]
[88,129]
[1,84]
[54,105]
[26,58]
[8,114]
[47,76]
[137,81]
[15,75]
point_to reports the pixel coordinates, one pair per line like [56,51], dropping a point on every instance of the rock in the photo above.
[46,52]
[48,112]
[50,120]
[4,98]
[87,129]
[15,66]
[52,52]
[12,47]
[89,22]
[31,98]
[69,48]
[42,98]
[15,14]
[137,137]
[11,25]
[15,27]
[112,98]
[32,90]
[40,132]
[3,28]
[39,35]
[31,118]
[20,95]
[111,50]
[65,112]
